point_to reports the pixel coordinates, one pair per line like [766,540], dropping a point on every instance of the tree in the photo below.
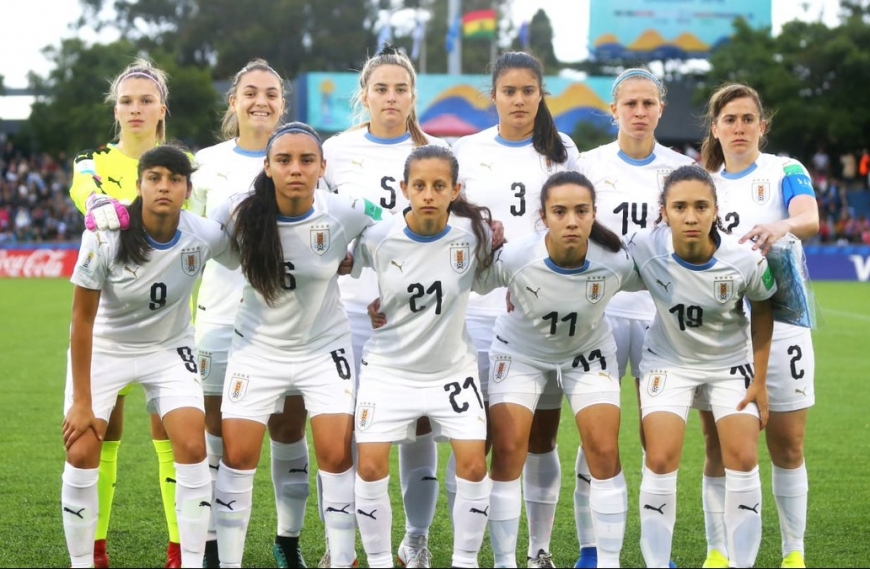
[70,113]
[541,41]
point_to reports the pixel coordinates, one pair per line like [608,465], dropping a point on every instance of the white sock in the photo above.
[658,514]
[79,502]
[582,514]
[193,503]
[374,516]
[233,497]
[506,503]
[470,514]
[609,504]
[713,498]
[418,464]
[542,480]
[790,490]
[338,516]
[290,481]
[743,516]
[214,451]
[450,484]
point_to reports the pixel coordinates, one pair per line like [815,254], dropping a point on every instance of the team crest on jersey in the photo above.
[595,289]
[320,239]
[238,388]
[460,257]
[500,367]
[365,415]
[546,164]
[204,365]
[656,382]
[191,261]
[723,290]
[661,174]
[760,191]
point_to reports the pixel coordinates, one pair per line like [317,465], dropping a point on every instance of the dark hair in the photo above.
[711,149]
[389,55]
[132,243]
[478,215]
[230,122]
[255,234]
[599,234]
[691,173]
[545,136]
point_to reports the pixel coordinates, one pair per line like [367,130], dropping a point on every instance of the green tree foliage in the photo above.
[811,76]
[70,112]
[541,41]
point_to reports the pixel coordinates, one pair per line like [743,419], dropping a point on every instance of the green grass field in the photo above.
[34,337]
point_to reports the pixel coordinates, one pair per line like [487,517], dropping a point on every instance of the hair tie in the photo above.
[147,76]
[634,72]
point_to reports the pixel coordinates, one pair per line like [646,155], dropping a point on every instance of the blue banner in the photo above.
[668,29]
[851,263]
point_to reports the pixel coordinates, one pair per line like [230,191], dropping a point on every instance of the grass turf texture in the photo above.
[34,338]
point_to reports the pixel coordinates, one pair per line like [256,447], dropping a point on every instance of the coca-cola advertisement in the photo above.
[37,263]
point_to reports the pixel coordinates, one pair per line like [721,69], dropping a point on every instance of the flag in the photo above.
[452,36]
[523,35]
[418,39]
[479,24]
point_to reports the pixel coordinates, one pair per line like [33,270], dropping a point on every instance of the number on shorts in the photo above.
[187,357]
[688,316]
[519,190]
[388,203]
[417,291]
[455,389]
[158,296]
[341,364]
[796,354]
[746,372]
[582,360]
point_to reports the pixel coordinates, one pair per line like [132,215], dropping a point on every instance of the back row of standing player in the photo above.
[504,169]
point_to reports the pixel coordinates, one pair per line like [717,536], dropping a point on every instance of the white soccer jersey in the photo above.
[361,165]
[308,315]
[147,307]
[627,200]
[506,177]
[559,313]
[424,283]
[700,320]
[224,170]
[760,195]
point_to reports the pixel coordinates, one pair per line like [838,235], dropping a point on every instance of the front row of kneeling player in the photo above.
[131,323]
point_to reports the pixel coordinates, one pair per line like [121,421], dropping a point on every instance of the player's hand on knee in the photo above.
[105,213]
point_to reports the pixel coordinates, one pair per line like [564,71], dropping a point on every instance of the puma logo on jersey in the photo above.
[132,271]
[224,175]
[398,266]
[116,182]
[500,339]
[663,285]
[535,292]
[611,183]
[348,392]
[801,391]
[353,204]
[358,163]
[100,241]
[487,166]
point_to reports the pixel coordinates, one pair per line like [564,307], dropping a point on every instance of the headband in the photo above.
[293,129]
[147,76]
[637,72]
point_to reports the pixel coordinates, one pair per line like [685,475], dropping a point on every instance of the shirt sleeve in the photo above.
[85,180]
[761,285]
[91,269]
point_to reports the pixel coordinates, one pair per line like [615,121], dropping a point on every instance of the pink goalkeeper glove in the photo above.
[105,213]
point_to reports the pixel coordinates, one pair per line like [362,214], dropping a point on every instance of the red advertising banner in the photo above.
[37,263]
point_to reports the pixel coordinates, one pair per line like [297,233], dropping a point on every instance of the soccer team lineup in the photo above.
[383,288]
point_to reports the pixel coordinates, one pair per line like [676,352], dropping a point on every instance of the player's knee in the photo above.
[189,449]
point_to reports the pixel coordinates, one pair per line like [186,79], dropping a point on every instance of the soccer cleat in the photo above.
[414,553]
[326,560]
[588,558]
[173,555]
[543,559]
[211,558]
[715,559]
[101,558]
[287,552]
[794,559]
[672,565]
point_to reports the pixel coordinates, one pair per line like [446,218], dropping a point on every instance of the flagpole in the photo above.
[454,58]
